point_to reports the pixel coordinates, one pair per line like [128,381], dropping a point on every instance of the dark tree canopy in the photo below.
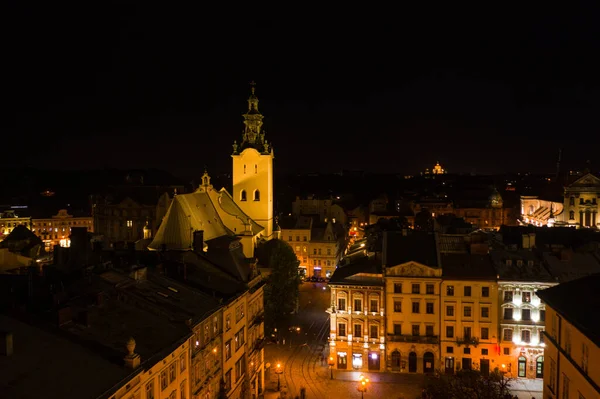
[281,291]
[469,384]
[424,221]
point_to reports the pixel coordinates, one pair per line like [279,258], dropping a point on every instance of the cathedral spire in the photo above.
[253,135]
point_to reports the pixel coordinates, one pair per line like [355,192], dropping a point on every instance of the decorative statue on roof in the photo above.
[235,146]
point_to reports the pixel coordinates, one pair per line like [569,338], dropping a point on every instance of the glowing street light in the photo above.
[278,371]
[331,363]
[362,385]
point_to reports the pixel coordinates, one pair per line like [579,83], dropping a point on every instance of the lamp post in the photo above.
[331,363]
[362,385]
[278,371]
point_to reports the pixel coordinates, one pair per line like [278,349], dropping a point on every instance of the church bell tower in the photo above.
[253,169]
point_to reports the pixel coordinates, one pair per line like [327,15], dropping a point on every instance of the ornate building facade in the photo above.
[413,321]
[57,229]
[357,332]
[581,203]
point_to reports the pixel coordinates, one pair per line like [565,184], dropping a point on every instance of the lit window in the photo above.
[130,223]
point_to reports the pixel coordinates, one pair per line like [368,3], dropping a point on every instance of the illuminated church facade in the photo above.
[246,215]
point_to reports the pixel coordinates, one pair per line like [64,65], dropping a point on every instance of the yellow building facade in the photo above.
[253,170]
[413,319]
[571,367]
[357,323]
[9,220]
[55,231]
[206,357]
[581,202]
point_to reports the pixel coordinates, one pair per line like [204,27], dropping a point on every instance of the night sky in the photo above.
[133,86]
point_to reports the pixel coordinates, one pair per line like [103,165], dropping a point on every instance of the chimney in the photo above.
[198,243]
[132,360]
[526,244]
[6,344]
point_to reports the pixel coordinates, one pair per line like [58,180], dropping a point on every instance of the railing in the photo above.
[421,339]
[466,341]
[259,318]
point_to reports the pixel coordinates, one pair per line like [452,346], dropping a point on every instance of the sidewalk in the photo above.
[527,388]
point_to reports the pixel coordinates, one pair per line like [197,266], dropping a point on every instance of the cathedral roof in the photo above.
[214,212]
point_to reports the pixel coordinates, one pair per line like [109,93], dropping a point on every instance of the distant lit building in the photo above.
[581,203]
[325,208]
[57,229]
[9,220]
[487,213]
[538,211]
[437,170]
[318,246]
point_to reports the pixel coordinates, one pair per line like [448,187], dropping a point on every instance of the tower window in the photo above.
[244,171]
[256,195]
[243,195]
[255,169]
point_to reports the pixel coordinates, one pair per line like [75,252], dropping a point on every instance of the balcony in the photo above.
[259,318]
[418,339]
[466,341]
[259,344]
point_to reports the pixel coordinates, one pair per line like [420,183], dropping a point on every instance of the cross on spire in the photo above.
[252,86]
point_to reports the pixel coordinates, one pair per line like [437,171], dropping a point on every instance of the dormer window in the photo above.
[243,196]
[256,195]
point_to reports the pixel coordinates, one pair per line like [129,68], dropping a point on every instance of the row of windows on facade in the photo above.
[317,262]
[507,333]
[567,343]
[168,375]
[587,213]
[316,251]
[240,369]
[244,195]
[581,201]
[48,224]
[305,238]
[430,290]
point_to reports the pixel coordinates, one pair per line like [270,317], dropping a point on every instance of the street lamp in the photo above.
[362,385]
[278,371]
[331,363]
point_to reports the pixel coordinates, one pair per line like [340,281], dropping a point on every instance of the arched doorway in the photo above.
[522,366]
[539,367]
[428,365]
[412,362]
[396,360]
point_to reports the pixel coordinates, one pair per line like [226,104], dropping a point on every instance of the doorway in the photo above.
[522,366]
[357,361]
[342,361]
[539,367]
[449,365]
[412,362]
[466,363]
[374,361]
[484,367]
[395,361]
[428,362]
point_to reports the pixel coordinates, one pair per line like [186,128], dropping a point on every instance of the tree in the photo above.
[282,288]
[469,384]
[424,221]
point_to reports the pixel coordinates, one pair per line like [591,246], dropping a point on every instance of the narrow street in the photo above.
[299,353]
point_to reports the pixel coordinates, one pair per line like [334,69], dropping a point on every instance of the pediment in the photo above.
[413,269]
[587,180]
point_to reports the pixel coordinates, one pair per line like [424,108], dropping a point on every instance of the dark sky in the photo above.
[133,85]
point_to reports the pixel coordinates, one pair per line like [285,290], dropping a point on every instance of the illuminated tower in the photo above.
[253,169]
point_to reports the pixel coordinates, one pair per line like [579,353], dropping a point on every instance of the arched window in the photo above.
[244,169]
[243,195]
[256,195]
[571,215]
[255,169]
